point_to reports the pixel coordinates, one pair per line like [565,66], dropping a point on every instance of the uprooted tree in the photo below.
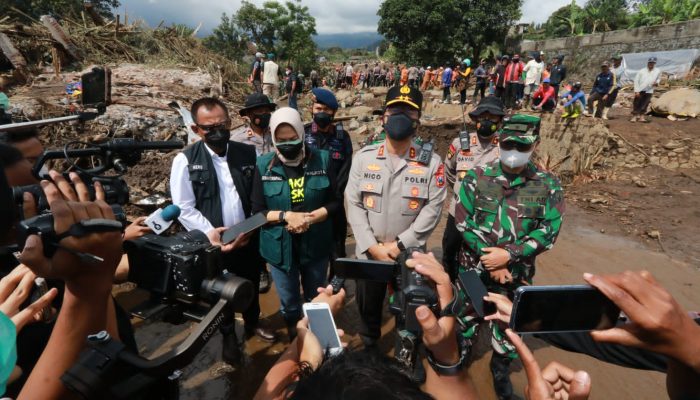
[36,8]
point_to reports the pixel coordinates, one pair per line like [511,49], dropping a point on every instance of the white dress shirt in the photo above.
[644,80]
[183,194]
[534,72]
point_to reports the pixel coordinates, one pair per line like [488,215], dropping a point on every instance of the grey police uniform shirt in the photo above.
[385,203]
[246,135]
[458,162]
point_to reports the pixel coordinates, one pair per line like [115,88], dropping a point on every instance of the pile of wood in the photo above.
[88,39]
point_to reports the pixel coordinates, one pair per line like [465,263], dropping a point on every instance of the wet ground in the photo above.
[581,248]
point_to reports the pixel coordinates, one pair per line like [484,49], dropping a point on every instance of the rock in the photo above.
[363,130]
[654,234]
[622,150]
[639,182]
[673,165]
[379,90]
[602,230]
[680,150]
[673,144]
[353,124]
[367,97]
[598,200]
[654,160]
[679,102]
[361,111]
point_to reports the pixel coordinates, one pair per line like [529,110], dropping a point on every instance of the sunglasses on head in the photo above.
[521,147]
[209,128]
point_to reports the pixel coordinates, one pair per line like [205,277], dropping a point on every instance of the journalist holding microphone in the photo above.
[211,183]
[296,189]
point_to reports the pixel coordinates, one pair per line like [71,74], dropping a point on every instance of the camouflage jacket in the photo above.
[522,216]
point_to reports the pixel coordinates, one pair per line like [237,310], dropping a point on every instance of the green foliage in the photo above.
[605,15]
[434,31]
[37,8]
[226,39]
[655,12]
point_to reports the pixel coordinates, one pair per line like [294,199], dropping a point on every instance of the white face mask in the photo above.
[514,158]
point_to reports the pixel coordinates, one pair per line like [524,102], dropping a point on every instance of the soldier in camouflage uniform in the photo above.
[466,152]
[509,212]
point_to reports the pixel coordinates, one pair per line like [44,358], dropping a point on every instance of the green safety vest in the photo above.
[275,240]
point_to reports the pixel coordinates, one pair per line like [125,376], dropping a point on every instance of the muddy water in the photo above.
[581,248]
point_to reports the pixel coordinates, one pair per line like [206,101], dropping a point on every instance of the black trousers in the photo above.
[451,242]
[479,88]
[370,304]
[641,103]
[500,92]
[446,94]
[247,264]
[592,98]
[550,105]
[511,94]
[556,90]
[462,96]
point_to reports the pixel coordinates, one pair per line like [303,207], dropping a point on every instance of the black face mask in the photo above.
[486,128]
[262,121]
[400,126]
[290,150]
[217,138]
[323,119]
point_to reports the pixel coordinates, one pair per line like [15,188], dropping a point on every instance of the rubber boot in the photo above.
[500,369]
[605,113]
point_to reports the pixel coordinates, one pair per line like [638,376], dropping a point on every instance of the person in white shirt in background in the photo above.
[617,70]
[271,78]
[533,76]
[211,181]
[644,83]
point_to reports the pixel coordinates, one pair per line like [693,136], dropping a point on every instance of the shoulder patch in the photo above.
[440,176]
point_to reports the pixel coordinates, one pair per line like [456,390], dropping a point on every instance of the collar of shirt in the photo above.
[213,154]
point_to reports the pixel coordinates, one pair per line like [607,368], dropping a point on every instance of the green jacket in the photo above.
[275,241]
[523,216]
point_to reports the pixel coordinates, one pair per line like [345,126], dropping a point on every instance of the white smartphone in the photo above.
[322,325]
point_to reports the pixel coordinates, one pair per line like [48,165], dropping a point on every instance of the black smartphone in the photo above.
[97,88]
[368,270]
[554,309]
[472,285]
[249,225]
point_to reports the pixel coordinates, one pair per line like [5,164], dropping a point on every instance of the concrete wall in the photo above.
[584,53]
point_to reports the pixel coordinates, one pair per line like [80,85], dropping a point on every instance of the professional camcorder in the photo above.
[411,289]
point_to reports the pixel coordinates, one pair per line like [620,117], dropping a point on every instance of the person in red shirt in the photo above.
[544,98]
[512,80]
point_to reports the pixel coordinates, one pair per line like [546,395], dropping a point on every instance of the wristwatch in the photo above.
[282,215]
[447,370]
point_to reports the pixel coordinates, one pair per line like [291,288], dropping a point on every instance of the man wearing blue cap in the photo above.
[323,134]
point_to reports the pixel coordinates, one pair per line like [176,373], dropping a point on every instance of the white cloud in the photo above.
[332,16]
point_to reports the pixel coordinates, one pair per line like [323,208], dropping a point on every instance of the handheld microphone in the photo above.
[161,219]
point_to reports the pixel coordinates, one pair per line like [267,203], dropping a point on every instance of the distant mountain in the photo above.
[359,40]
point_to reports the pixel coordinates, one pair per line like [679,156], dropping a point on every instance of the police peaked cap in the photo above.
[406,95]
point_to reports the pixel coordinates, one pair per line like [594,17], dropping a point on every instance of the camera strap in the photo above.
[408,352]
[89,226]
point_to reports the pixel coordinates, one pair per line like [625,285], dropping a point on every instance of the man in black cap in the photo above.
[467,151]
[557,74]
[644,83]
[395,195]
[323,134]
[256,132]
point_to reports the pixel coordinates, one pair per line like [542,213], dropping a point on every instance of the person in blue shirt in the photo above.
[446,82]
[602,87]
[573,101]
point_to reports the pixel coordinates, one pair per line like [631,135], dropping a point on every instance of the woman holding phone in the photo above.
[296,190]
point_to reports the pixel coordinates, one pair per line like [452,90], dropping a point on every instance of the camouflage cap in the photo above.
[521,128]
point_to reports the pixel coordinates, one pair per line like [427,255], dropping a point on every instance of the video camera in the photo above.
[411,289]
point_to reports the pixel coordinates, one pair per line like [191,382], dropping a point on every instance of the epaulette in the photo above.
[370,147]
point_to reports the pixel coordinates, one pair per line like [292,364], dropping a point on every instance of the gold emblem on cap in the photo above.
[405,90]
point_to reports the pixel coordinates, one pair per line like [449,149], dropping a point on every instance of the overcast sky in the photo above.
[332,16]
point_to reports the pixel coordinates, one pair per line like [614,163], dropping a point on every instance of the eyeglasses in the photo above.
[209,128]
[521,147]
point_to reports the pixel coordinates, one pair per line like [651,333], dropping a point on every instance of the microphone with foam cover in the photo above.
[161,219]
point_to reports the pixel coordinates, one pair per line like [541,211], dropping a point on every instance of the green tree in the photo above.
[604,15]
[655,12]
[294,30]
[37,8]
[433,31]
[254,22]
[566,21]
[226,39]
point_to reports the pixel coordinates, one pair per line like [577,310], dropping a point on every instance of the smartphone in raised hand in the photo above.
[554,309]
[323,327]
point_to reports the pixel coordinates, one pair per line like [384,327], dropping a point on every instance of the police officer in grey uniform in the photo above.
[467,151]
[395,195]
[256,132]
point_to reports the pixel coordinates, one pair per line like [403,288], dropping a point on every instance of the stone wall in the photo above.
[584,53]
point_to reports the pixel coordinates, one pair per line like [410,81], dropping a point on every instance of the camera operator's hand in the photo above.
[64,265]
[80,193]
[379,252]
[555,381]
[136,229]
[504,307]
[439,335]
[296,222]
[658,322]
[15,287]
[334,301]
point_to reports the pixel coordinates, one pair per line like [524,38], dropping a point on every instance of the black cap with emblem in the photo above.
[406,95]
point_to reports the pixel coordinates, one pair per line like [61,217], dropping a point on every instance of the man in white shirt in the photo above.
[211,182]
[348,75]
[533,76]
[644,83]
[271,78]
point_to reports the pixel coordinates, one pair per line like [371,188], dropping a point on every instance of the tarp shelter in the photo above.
[675,64]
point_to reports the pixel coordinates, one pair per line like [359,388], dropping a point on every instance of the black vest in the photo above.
[241,162]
